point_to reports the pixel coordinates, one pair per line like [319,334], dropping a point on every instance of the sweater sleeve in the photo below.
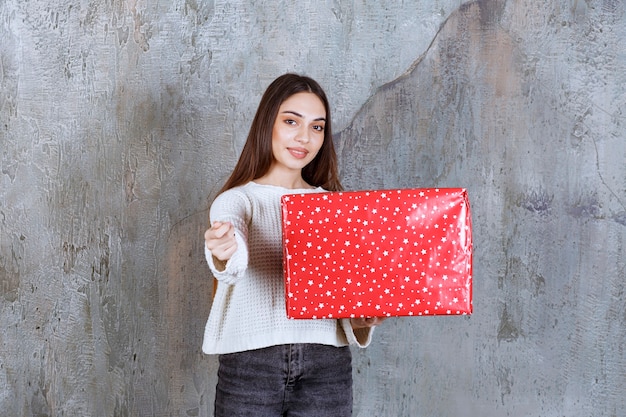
[359,337]
[231,206]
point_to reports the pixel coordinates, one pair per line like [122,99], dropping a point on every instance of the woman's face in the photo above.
[298,132]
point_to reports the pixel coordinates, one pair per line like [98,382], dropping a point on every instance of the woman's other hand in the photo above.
[361,323]
[220,240]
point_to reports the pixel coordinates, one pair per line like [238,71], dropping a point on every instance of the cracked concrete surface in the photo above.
[120,120]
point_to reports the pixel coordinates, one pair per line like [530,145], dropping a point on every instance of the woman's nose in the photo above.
[303,135]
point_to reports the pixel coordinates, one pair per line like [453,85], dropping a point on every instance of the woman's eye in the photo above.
[290,122]
[319,128]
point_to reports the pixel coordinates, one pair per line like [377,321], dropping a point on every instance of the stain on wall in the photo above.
[119,121]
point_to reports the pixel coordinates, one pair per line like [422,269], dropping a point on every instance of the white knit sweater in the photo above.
[248,310]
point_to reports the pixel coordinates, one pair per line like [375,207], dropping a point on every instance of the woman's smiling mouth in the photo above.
[299,153]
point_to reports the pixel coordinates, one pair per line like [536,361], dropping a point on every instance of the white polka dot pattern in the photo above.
[377,253]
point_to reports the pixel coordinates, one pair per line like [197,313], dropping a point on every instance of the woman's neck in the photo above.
[282,179]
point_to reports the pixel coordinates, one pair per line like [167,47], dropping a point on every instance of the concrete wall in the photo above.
[119,119]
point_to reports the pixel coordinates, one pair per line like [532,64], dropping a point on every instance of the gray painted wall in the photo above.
[120,119]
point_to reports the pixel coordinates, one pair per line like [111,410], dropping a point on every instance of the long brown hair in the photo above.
[256,157]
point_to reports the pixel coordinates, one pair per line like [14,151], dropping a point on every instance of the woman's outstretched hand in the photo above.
[220,240]
[361,323]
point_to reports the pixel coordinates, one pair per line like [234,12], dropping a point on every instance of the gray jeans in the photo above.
[299,380]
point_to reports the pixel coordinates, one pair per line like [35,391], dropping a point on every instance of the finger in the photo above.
[228,252]
[219,229]
[224,252]
[224,229]
[224,244]
[216,231]
[218,244]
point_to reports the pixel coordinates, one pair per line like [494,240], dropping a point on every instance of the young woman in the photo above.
[270,365]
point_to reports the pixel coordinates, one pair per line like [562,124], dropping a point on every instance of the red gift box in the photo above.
[405,252]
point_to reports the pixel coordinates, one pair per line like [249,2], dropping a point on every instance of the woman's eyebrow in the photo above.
[319,119]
